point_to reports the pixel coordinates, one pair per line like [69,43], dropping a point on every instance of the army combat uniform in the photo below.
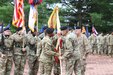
[100,44]
[46,56]
[105,44]
[71,54]
[9,54]
[3,58]
[93,42]
[85,48]
[110,45]
[19,55]
[31,47]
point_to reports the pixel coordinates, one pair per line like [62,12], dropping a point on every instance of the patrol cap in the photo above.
[45,27]
[6,29]
[18,29]
[64,28]
[49,30]
[78,27]
[70,28]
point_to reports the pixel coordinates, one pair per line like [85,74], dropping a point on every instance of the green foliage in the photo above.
[96,18]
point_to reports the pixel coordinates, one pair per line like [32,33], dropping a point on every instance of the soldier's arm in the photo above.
[69,48]
[27,50]
[87,45]
[48,49]
[39,48]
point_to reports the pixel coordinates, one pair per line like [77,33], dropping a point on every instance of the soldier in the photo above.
[100,43]
[84,48]
[31,45]
[105,44]
[8,50]
[2,55]
[56,66]
[19,51]
[70,52]
[47,53]
[93,42]
[110,45]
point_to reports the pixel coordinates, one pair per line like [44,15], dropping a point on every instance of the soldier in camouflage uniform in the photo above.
[93,42]
[19,51]
[56,66]
[84,47]
[105,44]
[8,51]
[31,48]
[110,45]
[100,43]
[2,55]
[47,54]
[70,52]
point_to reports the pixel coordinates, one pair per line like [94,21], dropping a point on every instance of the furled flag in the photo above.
[33,16]
[87,31]
[83,29]
[54,21]
[94,31]
[18,17]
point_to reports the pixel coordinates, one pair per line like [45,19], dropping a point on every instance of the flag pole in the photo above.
[59,42]
[37,18]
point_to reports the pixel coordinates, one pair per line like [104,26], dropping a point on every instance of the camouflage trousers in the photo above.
[83,66]
[110,50]
[9,64]
[73,64]
[56,68]
[100,49]
[19,61]
[105,51]
[94,49]
[31,63]
[2,65]
[45,68]
[36,66]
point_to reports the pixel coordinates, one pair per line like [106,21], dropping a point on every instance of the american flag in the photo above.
[18,17]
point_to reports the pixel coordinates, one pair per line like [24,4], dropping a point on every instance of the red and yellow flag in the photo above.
[54,21]
[18,17]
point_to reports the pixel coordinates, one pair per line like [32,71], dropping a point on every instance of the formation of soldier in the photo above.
[44,52]
[102,44]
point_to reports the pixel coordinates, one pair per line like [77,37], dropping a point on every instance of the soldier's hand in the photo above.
[57,54]
[3,56]
[60,57]
[23,49]
[59,34]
